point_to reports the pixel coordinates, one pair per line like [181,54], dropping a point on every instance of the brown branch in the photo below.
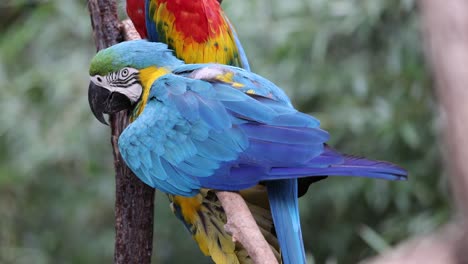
[243,228]
[129,31]
[446,31]
[105,23]
[134,203]
[445,28]
[436,248]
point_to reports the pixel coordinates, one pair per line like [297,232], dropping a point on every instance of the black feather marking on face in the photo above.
[127,82]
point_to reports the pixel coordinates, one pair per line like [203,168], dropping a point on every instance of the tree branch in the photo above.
[243,228]
[129,31]
[445,28]
[436,248]
[134,204]
[446,32]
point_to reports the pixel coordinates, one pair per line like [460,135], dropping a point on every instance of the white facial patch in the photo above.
[125,81]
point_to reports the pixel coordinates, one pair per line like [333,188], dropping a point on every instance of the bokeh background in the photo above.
[357,65]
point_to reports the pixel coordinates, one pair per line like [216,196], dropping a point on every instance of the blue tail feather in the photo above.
[283,199]
[351,166]
[284,206]
[330,163]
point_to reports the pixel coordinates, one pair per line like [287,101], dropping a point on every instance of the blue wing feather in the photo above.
[261,87]
[209,133]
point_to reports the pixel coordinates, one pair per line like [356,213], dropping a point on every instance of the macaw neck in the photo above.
[147,77]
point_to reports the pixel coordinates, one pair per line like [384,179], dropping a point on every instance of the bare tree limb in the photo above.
[446,31]
[105,23]
[134,204]
[243,228]
[437,248]
[445,28]
[129,31]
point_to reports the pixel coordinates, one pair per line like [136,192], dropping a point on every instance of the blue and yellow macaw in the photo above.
[199,32]
[212,126]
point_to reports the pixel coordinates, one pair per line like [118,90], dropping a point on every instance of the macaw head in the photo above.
[118,74]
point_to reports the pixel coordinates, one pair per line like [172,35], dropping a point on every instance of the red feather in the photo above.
[193,17]
[136,12]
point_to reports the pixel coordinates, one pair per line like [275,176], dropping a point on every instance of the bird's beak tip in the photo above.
[97,97]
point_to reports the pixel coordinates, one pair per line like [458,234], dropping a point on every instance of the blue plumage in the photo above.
[205,132]
[285,212]
[248,139]
[225,128]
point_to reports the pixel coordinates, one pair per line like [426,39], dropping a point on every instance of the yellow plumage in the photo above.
[205,218]
[212,41]
[147,78]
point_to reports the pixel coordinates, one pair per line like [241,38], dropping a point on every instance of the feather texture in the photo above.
[221,127]
[285,210]
[197,31]
[136,12]
[264,143]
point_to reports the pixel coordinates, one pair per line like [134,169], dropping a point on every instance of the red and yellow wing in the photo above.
[197,31]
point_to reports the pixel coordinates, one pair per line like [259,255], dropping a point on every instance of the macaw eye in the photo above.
[124,73]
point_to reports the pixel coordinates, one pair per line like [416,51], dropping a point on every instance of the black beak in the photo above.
[102,101]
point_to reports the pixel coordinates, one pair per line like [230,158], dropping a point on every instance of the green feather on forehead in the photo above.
[138,54]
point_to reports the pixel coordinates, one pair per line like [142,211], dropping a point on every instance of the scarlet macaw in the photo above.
[214,126]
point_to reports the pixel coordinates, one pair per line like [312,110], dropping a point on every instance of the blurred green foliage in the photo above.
[356,65]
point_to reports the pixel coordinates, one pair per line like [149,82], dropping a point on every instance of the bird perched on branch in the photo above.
[199,32]
[217,127]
